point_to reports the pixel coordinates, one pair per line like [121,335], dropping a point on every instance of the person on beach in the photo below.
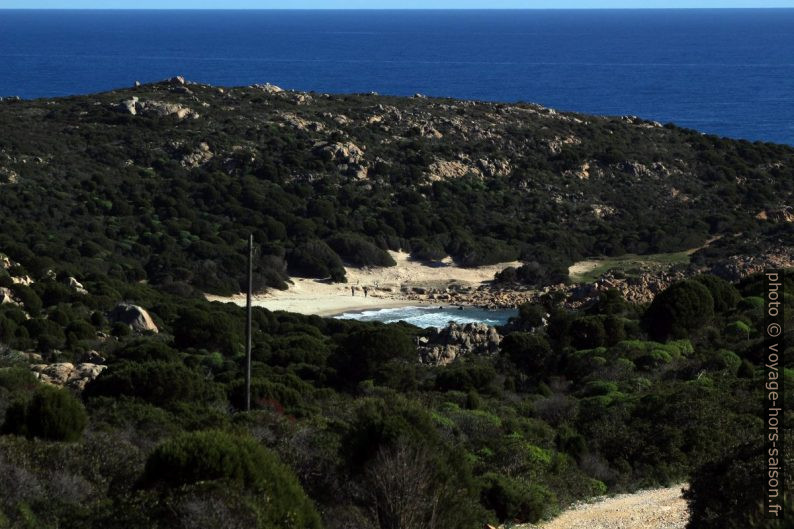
[353,290]
[365,291]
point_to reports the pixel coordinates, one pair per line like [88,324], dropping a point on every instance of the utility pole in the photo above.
[248,323]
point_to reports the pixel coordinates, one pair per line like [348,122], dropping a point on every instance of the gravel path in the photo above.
[647,509]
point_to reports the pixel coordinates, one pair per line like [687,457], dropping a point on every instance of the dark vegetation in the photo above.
[348,428]
[172,201]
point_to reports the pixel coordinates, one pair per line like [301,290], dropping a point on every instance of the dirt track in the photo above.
[648,509]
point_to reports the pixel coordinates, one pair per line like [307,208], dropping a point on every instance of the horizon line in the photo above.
[671,8]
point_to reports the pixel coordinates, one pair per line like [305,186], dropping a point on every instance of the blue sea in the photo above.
[729,72]
[433,316]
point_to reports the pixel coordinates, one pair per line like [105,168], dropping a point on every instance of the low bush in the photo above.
[191,458]
[52,414]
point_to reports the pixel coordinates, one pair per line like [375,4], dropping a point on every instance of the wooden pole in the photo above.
[248,323]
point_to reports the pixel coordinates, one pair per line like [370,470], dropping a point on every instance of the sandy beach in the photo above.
[313,296]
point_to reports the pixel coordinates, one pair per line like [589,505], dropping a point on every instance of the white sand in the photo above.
[312,296]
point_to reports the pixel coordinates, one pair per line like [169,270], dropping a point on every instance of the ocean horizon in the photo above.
[723,71]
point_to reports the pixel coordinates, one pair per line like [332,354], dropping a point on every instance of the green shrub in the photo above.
[195,457]
[316,259]
[159,383]
[514,500]
[82,330]
[615,329]
[530,352]
[270,394]
[120,329]
[28,297]
[379,423]
[466,376]
[203,329]
[531,314]
[17,379]
[751,303]
[358,251]
[364,352]
[147,350]
[588,332]
[681,308]
[725,295]
[738,329]
[52,414]
[728,493]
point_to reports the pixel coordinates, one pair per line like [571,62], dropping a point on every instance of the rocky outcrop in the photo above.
[137,107]
[136,317]
[198,157]
[342,153]
[494,167]
[268,88]
[348,157]
[22,280]
[7,297]
[455,340]
[777,215]
[67,375]
[77,286]
[8,176]
[425,130]
[451,169]
[300,123]
[602,211]
[582,173]
[556,144]
[737,267]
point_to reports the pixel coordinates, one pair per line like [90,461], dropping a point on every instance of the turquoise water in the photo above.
[433,316]
[725,71]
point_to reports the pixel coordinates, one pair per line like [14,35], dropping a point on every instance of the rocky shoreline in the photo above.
[639,288]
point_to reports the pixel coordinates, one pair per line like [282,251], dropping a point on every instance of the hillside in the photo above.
[122,388]
[163,182]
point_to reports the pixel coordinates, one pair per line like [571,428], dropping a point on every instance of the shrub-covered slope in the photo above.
[348,428]
[164,182]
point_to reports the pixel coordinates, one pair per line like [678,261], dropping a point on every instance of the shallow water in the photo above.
[433,316]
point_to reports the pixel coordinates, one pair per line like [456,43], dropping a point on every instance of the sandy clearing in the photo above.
[583,267]
[662,508]
[312,296]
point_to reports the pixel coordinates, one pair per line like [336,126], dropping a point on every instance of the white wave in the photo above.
[432,316]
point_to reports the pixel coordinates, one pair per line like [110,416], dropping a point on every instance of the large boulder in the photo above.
[268,88]
[65,374]
[456,340]
[77,286]
[7,297]
[341,153]
[138,107]
[136,317]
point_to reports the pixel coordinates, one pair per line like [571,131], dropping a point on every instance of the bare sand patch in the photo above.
[384,284]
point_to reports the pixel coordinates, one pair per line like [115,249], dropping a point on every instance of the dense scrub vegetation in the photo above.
[101,205]
[321,180]
[349,429]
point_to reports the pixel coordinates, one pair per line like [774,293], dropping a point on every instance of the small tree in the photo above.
[530,352]
[683,307]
